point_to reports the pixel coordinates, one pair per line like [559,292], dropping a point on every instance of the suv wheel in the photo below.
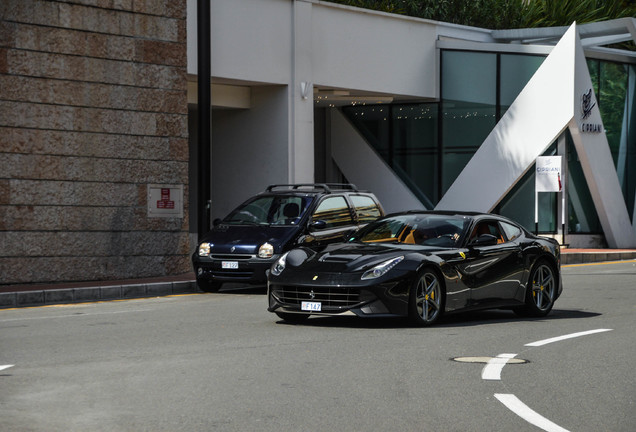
[208,286]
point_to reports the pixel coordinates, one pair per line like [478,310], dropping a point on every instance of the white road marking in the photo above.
[568,336]
[3,367]
[515,405]
[492,370]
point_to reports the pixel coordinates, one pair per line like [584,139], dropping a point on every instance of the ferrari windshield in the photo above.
[418,229]
[270,210]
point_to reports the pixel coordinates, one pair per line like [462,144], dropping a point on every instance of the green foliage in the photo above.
[478,13]
[550,13]
[504,14]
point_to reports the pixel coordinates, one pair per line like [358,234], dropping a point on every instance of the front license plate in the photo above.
[311,306]
[229,264]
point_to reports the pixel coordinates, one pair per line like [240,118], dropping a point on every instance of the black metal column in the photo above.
[203,115]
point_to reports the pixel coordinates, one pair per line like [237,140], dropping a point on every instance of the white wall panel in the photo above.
[375,52]
[251,40]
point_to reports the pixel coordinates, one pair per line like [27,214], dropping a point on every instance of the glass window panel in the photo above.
[594,67]
[615,99]
[454,163]
[334,211]
[629,136]
[582,216]
[366,209]
[512,232]
[415,149]
[515,72]
[613,81]
[373,123]
[469,77]
[468,107]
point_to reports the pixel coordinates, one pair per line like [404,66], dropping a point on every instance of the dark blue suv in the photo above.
[242,246]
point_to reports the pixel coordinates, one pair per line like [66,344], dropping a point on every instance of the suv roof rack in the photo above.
[326,187]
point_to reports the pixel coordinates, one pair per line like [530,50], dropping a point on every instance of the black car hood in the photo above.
[342,257]
[246,239]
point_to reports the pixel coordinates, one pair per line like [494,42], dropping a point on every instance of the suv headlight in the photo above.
[204,249]
[266,251]
[279,265]
[381,268]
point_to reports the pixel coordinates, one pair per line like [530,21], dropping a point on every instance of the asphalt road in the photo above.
[221,362]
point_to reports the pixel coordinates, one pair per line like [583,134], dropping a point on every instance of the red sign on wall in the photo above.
[165,202]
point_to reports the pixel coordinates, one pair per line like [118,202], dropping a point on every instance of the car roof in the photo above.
[440,212]
[471,214]
[313,188]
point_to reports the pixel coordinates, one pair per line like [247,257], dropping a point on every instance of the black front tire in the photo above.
[208,286]
[427,298]
[541,290]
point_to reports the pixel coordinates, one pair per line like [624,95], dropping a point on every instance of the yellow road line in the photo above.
[598,263]
[89,302]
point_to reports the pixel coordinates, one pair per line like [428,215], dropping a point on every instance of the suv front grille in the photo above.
[330,297]
[231,256]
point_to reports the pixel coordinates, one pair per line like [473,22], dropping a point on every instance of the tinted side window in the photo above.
[334,211]
[487,227]
[512,232]
[366,209]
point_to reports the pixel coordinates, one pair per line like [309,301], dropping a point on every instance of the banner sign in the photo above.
[548,174]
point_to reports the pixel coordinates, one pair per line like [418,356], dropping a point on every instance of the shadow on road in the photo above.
[465,319]
[504,316]
[234,288]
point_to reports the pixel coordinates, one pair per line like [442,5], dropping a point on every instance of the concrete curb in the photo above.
[51,296]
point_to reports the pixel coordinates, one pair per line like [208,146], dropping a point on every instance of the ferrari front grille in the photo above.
[330,297]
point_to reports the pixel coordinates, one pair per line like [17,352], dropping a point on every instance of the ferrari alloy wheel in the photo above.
[426,300]
[541,290]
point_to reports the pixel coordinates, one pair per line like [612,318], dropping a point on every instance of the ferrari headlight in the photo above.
[204,249]
[381,268]
[265,251]
[279,265]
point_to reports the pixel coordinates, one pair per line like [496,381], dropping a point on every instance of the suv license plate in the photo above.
[311,306]
[229,264]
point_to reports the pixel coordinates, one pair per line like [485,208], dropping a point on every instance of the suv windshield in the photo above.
[270,210]
[420,229]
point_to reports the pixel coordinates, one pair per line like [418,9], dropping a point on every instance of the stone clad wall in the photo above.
[93,109]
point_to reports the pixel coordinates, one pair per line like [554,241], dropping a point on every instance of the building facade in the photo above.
[402,105]
[93,119]
[99,134]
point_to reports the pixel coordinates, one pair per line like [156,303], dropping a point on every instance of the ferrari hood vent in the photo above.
[339,258]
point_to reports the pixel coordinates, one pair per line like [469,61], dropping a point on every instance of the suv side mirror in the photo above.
[216,222]
[318,225]
[484,240]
